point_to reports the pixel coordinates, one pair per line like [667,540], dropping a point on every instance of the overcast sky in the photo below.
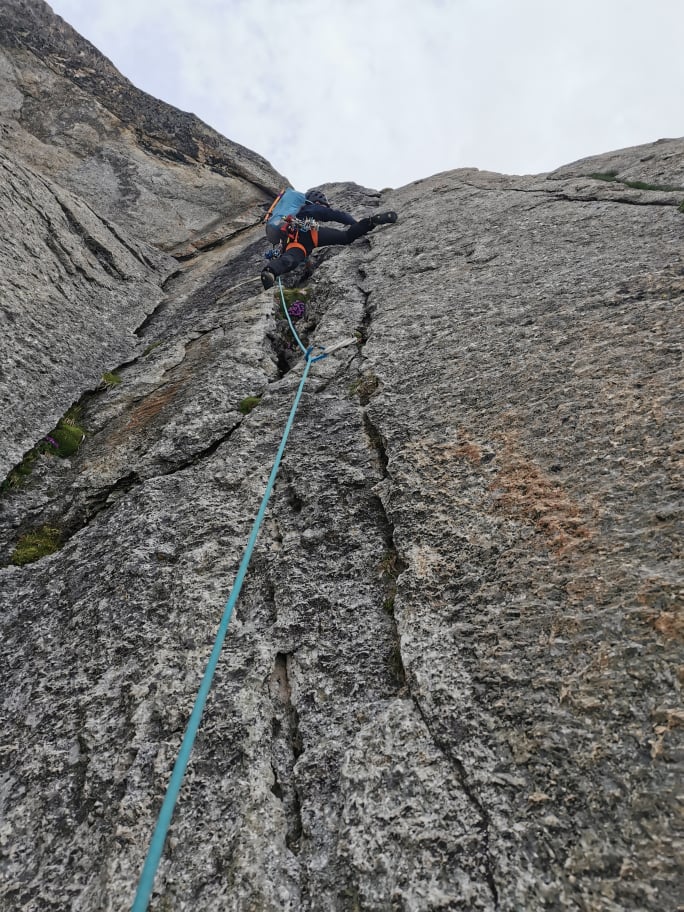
[384,92]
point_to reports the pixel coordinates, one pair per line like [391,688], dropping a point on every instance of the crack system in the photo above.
[458,766]
[570,198]
[393,567]
[286,740]
[286,748]
[81,514]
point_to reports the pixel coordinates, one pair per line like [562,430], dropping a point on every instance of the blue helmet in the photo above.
[317,197]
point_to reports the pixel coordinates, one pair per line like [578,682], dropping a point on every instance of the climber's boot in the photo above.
[267,278]
[384,218]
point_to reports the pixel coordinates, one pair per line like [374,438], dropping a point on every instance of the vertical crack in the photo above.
[390,569]
[455,762]
[378,445]
[391,565]
[368,311]
[286,748]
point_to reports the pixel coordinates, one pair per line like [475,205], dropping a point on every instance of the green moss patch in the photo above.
[663,188]
[110,379]
[248,403]
[34,545]
[294,294]
[636,185]
[67,436]
[20,473]
[62,441]
[604,175]
[66,439]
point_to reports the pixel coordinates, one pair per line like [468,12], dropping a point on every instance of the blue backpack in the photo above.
[288,202]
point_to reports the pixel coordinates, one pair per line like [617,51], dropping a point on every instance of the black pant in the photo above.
[327,237]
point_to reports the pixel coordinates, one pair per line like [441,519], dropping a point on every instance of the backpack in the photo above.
[288,202]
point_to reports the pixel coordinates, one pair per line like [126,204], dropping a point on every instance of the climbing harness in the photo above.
[290,229]
[156,848]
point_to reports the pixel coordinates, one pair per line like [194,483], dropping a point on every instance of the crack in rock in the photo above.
[286,748]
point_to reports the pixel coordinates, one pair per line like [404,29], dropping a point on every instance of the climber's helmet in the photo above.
[317,197]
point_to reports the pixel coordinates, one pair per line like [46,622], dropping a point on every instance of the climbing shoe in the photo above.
[267,278]
[384,218]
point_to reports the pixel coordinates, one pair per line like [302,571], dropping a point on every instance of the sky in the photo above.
[386,92]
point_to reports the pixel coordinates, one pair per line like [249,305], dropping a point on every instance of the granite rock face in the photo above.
[73,289]
[159,172]
[452,679]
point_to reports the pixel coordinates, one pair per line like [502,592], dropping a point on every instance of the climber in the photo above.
[297,236]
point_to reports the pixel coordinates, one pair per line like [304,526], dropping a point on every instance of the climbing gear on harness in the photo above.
[292,227]
[384,218]
[274,252]
[307,224]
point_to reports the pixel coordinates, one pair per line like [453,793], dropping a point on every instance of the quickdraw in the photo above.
[293,225]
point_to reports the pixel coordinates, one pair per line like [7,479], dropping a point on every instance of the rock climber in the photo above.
[298,235]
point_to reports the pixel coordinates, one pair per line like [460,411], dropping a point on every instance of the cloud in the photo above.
[388,91]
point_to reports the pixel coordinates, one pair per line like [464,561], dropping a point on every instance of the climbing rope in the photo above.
[328,350]
[154,853]
[289,319]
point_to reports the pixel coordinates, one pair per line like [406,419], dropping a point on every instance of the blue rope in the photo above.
[146,882]
[289,319]
[307,351]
